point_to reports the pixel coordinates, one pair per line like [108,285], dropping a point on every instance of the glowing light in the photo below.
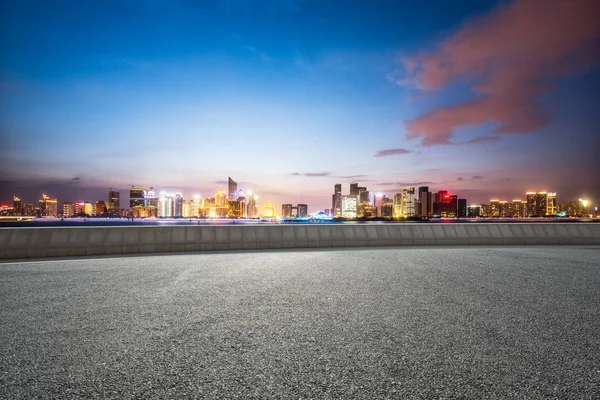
[584,202]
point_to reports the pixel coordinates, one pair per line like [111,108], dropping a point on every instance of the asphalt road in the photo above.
[431,323]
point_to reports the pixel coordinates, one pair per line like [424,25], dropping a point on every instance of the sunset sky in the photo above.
[481,98]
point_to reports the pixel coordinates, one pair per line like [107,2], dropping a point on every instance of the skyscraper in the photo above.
[354,189]
[286,211]
[114,204]
[48,206]
[302,210]
[336,203]
[252,209]
[178,205]
[551,207]
[398,205]
[136,197]
[231,189]
[462,208]
[424,202]
[349,206]
[408,201]
[165,205]
[68,209]
[17,206]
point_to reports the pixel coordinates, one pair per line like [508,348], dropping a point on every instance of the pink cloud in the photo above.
[513,54]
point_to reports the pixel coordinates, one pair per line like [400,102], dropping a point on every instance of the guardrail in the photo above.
[82,241]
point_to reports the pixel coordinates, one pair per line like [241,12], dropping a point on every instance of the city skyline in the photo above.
[292,97]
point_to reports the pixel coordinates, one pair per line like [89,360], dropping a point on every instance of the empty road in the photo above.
[428,322]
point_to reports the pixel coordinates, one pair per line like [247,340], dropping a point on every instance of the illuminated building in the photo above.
[136,197]
[519,208]
[378,203]
[537,204]
[114,205]
[28,210]
[494,208]
[17,206]
[408,201]
[286,211]
[424,205]
[252,209]
[336,204]
[398,205]
[531,204]
[542,203]
[387,208]
[100,207]
[354,189]
[150,198]
[90,209]
[6,211]
[572,208]
[235,209]
[302,210]
[474,211]
[445,205]
[178,205]
[462,208]
[269,211]
[231,189]
[551,206]
[221,199]
[165,205]
[504,209]
[194,206]
[349,207]
[68,209]
[48,206]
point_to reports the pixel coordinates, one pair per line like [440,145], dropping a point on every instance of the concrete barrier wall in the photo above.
[81,241]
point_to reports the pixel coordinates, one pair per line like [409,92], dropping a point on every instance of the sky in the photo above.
[485,99]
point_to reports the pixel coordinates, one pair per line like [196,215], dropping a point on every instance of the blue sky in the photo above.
[287,97]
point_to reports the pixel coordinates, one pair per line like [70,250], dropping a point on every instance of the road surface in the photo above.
[438,322]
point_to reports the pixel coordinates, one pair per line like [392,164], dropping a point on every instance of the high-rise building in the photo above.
[542,203]
[387,208]
[68,209]
[100,207]
[150,198]
[519,208]
[17,206]
[178,205]
[136,197]
[28,210]
[354,189]
[349,207]
[474,211]
[551,207]
[235,209]
[537,204]
[302,210]
[48,206]
[90,209]
[336,203]
[114,205]
[494,208]
[424,206]
[462,208]
[398,205]
[252,209]
[286,211]
[194,206]
[231,189]
[165,205]
[445,205]
[363,195]
[269,211]
[408,201]
[504,209]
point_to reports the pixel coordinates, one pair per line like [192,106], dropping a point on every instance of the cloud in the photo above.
[403,184]
[311,174]
[75,179]
[475,177]
[482,139]
[460,178]
[512,56]
[392,152]
[351,176]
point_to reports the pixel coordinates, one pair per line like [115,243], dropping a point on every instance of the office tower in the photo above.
[363,195]
[462,208]
[551,207]
[504,209]
[378,203]
[242,200]
[269,211]
[165,205]
[114,204]
[89,209]
[286,211]
[408,201]
[235,209]
[150,198]
[178,205]
[354,189]
[80,209]
[194,206]
[445,205]
[474,211]
[17,206]
[398,212]
[231,189]
[494,208]
[252,209]
[519,208]
[302,210]
[68,209]
[387,208]
[336,204]
[48,206]
[424,202]
[136,197]
[542,203]
[537,203]
[349,206]
[100,207]
[531,204]
[28,210]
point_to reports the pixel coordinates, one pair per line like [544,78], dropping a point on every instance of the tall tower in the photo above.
[114,205]
[336,203]
[353,189]
[136,197]
[231,189]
